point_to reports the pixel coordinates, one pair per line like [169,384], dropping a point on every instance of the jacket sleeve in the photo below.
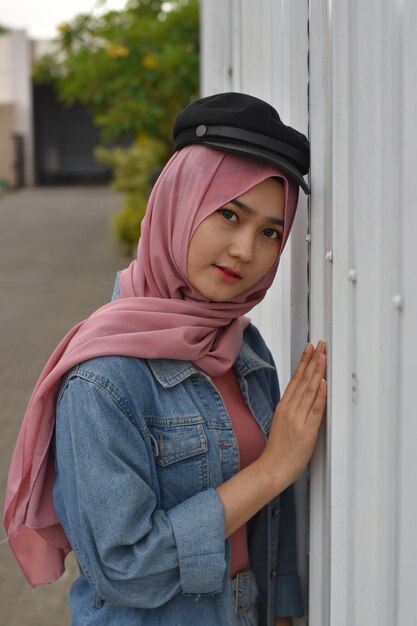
[288,598]
[132,553]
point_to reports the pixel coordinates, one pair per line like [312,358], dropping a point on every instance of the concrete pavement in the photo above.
[57,264]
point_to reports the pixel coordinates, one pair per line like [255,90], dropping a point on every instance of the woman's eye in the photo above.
[228,214]
[271,233]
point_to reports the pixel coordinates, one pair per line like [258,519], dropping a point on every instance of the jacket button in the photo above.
[276,512]
[274,573]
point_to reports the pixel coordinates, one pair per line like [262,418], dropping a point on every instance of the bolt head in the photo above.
[352,276]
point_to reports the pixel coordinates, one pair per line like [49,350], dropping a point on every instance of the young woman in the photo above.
[155,445]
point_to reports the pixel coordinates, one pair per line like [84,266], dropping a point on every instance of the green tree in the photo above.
[134,170]
[134,70]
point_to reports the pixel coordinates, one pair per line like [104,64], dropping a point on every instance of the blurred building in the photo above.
[42,141]
[16,128]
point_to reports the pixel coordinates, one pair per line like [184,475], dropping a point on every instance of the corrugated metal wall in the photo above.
[345,73]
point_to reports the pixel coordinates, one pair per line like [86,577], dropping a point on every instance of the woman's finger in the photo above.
[299,371]
[316,413]
[322,346]
[308,390]
[302,380]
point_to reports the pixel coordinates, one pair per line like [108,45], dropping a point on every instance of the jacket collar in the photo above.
[169,372]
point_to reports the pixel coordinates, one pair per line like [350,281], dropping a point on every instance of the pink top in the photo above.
[251,444]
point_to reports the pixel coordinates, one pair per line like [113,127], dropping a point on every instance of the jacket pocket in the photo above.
[181,456]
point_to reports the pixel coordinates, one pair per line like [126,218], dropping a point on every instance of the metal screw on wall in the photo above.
[352,276]
[398,301]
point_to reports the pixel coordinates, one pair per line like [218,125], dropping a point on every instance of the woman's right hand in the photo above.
[297,418]
[291,442]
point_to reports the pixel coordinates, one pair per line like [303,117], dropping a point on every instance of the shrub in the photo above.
[134,169]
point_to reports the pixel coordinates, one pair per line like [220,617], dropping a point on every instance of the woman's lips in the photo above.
[228,273]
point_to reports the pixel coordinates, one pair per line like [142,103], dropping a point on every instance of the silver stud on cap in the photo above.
[201,130]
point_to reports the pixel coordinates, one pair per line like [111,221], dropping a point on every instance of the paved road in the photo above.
[57,264]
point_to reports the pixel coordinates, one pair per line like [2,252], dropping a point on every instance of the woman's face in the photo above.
[237,244]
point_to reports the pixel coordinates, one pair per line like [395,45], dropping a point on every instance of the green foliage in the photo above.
[126,222]
[134,70]
[133,168]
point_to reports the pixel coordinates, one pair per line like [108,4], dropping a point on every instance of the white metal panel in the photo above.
[216,47]
[255,49]
[363,298]
[321,137]
[340,353]
[363,59]
[404,417]
[407,509]
[374,334]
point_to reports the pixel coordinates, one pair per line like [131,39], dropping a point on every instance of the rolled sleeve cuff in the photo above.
[201,543]
[288,600]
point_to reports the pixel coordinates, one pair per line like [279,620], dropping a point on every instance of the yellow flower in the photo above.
[63,28]
[142,139]
[116,51]
[150,62]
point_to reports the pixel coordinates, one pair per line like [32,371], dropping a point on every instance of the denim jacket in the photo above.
[141,446]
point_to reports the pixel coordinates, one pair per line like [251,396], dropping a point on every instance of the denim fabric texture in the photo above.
[141,446]
[245,590]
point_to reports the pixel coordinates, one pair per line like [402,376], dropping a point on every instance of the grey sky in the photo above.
[40,17]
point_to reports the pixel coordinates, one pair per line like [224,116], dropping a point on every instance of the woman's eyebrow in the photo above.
[247,209]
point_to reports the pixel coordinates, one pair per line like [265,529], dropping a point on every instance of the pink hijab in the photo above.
[159,315]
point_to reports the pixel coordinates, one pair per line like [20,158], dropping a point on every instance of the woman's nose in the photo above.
[242,247]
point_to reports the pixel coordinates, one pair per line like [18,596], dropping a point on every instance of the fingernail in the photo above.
[308,348]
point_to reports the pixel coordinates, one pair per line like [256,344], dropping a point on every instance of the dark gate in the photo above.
[65,138]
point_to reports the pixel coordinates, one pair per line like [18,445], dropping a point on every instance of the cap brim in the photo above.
[257,153]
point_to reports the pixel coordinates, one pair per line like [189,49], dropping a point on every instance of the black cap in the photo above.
[237,122]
